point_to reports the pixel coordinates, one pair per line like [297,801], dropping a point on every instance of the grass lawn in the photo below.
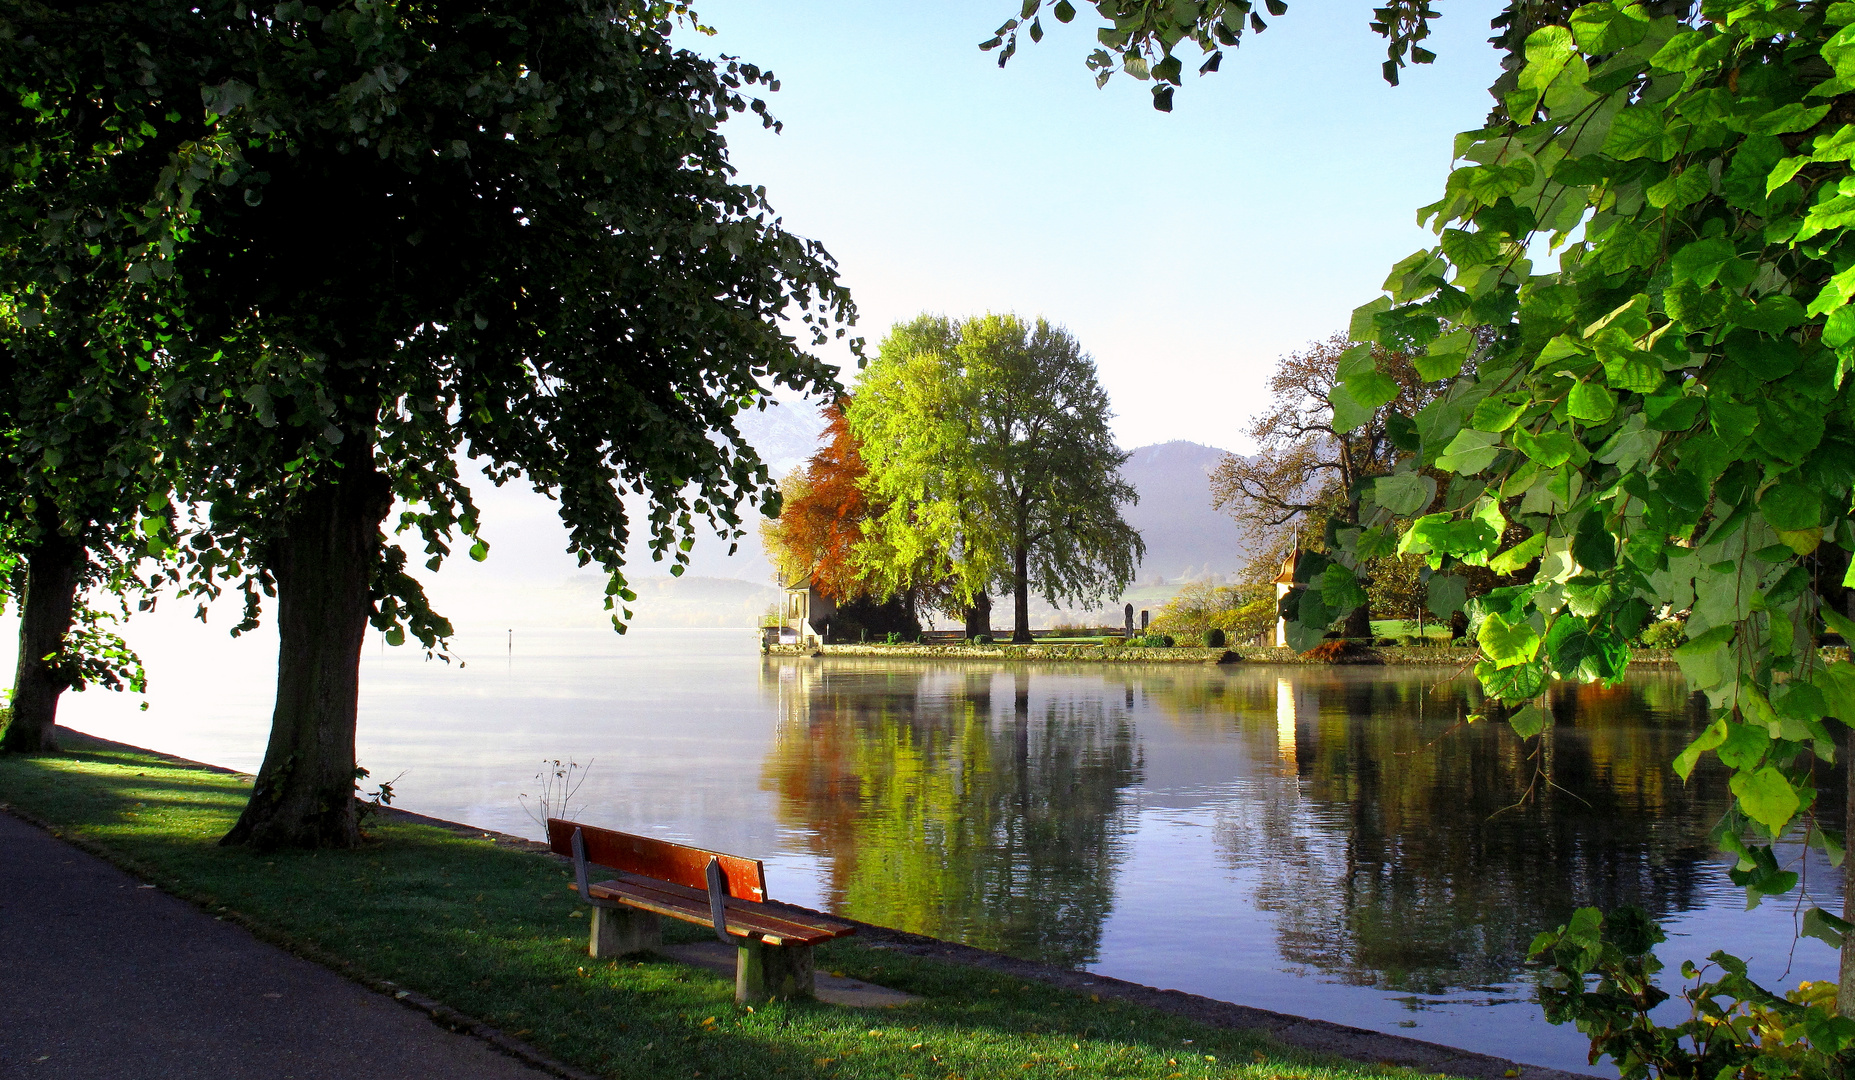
[1394,628]
[495,933]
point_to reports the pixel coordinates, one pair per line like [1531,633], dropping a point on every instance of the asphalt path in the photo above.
[102,975]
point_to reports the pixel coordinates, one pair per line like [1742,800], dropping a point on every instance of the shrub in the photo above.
[1410,641]
[1336,651]
[892,638]
[1214,638]
[1386,643]
[1667,634]
[1153,641]
[982,639]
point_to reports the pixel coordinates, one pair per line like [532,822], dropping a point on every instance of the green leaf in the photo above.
[1824,927]
[1445,594]
[1508,644]
[1548,50]
[1340,591]
[1591,403]
[1404,494]
[1517,683]
[1496,413]
[1348,413]
[1606,27]
[1708,661]
[1515,558]
[1469,452]
[1593,545]
[1528,722]
[1637,132]
[1713,736]
[479,551]
[1789,505]
[1744,746]
[1445,356]
[1767,797]
[1362,328]
[1372,389]
[1700,261]
[1787,118]
[1550,449]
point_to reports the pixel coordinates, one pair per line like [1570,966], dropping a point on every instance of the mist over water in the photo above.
[1331,842]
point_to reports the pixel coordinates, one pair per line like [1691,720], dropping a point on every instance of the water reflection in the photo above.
[1386,842]
[1405,850]
[940,807]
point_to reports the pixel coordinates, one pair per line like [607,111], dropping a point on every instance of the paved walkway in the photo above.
[102,976]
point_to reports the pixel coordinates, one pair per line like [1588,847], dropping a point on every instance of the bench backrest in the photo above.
[660,859]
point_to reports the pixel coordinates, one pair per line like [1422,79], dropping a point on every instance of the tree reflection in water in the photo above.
[941,809]
[1392,845]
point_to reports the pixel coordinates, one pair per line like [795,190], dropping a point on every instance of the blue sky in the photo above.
[1185,251]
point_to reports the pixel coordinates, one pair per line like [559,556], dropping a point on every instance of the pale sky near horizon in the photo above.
[1186,251]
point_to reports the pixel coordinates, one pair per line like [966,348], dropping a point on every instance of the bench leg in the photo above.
[620,930]
[765,972]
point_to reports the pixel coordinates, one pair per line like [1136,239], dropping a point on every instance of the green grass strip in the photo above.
[495,933]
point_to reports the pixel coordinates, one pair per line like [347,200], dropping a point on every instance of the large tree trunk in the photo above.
[52,572]
[304,792]
[979,617]
[1359,623]
[1021,597]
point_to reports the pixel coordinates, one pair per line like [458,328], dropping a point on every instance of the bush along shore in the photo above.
[1135,654]
[488,927]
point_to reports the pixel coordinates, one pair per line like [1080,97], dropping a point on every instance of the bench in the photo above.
[773,957]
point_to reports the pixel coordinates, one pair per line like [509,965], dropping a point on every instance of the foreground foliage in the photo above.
[1603,979]
[494,932]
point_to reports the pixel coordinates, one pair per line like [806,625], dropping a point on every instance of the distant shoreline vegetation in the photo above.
[1360,655]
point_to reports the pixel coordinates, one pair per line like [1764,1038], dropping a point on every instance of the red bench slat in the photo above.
[663,860]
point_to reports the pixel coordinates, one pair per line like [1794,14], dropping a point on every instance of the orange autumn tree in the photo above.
[821,515]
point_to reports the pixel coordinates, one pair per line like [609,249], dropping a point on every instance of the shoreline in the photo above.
[1297,1032]
[1365,656]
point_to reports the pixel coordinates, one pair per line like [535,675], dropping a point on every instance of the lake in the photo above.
[1330,842]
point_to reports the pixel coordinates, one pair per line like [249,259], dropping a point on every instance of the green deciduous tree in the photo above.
[987,443]
[86,437]
[502,228]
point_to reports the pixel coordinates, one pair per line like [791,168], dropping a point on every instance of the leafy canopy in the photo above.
[1667,414]
[985,440]
[500,228]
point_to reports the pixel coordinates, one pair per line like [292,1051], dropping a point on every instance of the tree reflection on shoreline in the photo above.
[942,808]
[1383,841]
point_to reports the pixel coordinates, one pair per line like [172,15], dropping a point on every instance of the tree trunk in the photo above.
[324,565]
[1021,597]
[52,572]
[1359,623]
[979,617]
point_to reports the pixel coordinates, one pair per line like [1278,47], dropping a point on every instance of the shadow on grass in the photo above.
[495,933]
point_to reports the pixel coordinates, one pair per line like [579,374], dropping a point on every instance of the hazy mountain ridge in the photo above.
[1185,538]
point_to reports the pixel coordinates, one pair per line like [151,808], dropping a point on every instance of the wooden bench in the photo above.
[773,958]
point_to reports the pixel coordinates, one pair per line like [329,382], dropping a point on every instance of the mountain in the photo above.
[1185,538]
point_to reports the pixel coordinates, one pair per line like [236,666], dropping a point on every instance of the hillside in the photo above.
[1185,538]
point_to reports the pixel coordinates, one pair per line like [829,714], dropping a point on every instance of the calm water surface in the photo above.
[1327,842]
